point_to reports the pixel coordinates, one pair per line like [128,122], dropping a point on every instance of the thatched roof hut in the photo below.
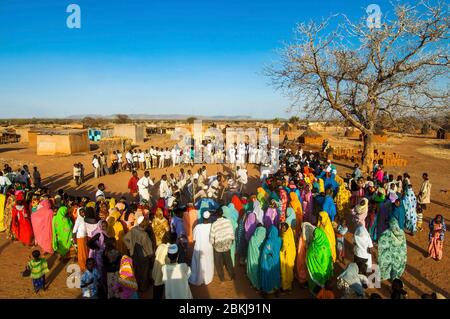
[309,136]
[443,132]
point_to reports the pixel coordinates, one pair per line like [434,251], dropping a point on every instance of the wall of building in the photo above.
[135,132]
[53,144]
[32,138]
[79,143]
[62,144]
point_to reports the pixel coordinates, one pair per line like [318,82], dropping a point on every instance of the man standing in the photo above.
[96,166]
[164,189]
[203,257]
[175,276]
[129,159]
[144,187]
[119,160]
[141,250]
[242,178]
[103,164]
[36,177]
[221,238]
[133,184]
[423,199]
[161,158]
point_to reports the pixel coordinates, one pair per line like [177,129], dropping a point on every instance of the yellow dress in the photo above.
[321,186]
[287,259]
[112,203]
[2,212]
[325,224]
[297,206]
[116,230]
[342,200]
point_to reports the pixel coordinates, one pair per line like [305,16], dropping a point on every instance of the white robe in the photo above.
[202,264]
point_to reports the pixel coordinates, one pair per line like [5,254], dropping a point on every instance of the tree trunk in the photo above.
[367,155]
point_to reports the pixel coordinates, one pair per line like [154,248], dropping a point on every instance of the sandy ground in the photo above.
[422,275]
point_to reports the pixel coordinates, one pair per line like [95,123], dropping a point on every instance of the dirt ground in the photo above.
[422,275]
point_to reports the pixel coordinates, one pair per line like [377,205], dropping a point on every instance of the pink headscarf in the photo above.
[41,221]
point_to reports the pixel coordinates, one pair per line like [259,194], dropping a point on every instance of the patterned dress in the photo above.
[410,204]
[392,252]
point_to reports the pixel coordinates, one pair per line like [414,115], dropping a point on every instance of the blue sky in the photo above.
[157,57]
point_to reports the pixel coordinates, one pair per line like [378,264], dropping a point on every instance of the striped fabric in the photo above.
[38,268]
[126,274]
[221,235]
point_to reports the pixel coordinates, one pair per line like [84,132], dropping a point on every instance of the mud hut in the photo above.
[310,137]
[378,137]
[351,132]
[62,142]
[8,137]
[443,132]
[134,132]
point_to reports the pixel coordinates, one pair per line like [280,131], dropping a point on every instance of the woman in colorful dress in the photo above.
[7,215]
[287,257]
[253,256]
[305,239]
[21,224]
[325,224]
[161,227]
[410,204]
[392,253]
[62,232]
[307,202]
[436,236]
[270,276]
[319,261]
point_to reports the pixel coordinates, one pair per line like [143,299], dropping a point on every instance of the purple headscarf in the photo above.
[271,218]
[250,225]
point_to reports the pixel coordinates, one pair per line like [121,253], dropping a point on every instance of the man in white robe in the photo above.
[144,184]
[202,265]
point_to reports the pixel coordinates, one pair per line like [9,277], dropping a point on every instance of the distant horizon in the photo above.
[147,116]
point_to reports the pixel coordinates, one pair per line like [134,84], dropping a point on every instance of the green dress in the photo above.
[392,251]
[62,232]
[232,216]
[253,255]
[318,260]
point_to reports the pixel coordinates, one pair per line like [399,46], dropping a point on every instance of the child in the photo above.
[111,263]
[326,292]
[126,286]
[397,291]
[90,280]
[342,229]
[175,276]
[37,268]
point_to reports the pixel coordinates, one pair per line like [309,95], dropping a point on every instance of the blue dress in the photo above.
[399,214]
[270,271]
[330,207]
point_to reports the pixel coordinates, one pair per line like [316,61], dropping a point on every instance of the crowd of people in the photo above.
[292,227]
[158,157]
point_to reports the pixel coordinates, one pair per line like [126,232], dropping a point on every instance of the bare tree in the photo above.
[122,119]
[365,74]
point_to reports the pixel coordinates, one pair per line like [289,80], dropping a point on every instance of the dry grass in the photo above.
[436,148]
